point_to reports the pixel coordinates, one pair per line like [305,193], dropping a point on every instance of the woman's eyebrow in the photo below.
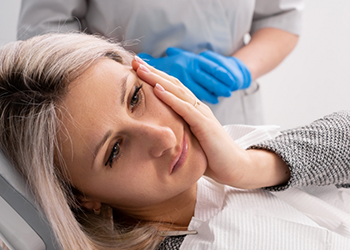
[124,80]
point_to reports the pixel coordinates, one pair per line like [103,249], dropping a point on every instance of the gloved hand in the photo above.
[206,79]
[240,73]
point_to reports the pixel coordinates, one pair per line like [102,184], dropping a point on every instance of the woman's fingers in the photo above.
[175,87]
[138,61]
[171,84]
[194,113]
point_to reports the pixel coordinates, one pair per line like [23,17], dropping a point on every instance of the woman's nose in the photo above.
[157,139]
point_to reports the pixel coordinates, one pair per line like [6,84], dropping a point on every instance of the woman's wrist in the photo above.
[265,169]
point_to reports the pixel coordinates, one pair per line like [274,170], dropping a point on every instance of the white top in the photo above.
[228,218]
[151,26]
[299,218]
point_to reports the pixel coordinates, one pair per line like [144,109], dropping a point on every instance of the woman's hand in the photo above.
[227,162]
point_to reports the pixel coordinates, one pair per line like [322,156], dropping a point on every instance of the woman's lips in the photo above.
[181,158]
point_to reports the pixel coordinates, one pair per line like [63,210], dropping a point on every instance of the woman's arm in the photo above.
[265,169]
[267,49]
[317,154]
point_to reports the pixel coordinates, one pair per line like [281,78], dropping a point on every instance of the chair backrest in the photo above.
[22,225]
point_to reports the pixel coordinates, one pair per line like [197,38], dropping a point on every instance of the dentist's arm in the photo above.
[266,50]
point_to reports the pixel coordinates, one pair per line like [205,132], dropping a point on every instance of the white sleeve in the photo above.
[43,16]
[281,14]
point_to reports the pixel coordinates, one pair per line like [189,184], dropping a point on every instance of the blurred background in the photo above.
[312,82]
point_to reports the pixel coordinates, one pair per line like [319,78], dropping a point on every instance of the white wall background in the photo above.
[9,10]
[313,81]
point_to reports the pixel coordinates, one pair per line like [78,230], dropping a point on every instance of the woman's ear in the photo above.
[90,204]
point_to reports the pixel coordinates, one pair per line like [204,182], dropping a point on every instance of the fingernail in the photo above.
[160,87]
[139,60]
[144,68]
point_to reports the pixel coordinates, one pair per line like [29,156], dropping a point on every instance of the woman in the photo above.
[89,132]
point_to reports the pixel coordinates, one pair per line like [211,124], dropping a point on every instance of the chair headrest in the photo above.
[22,224]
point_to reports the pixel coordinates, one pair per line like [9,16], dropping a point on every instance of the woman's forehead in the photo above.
[103,70]
[92,101]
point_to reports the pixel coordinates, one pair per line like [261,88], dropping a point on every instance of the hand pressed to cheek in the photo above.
[227,162]
[216,143]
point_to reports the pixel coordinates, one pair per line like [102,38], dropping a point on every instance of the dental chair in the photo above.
[22,225]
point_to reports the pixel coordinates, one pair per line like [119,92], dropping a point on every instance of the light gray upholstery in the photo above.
[22,225]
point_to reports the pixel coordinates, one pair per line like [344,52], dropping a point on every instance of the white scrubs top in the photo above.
[151,26]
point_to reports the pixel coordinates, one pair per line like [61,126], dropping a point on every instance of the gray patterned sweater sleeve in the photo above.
[171,243]
[317,154]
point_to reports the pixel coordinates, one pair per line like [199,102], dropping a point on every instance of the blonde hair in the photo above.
[34,77]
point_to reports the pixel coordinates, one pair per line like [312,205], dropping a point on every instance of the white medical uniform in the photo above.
[151,26]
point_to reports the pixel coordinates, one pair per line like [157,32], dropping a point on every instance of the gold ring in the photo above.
[196,103]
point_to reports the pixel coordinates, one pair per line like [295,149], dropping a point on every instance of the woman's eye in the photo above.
[114,153]
[136,97]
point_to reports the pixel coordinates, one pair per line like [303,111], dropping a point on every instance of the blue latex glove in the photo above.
[238,70]
[206,79]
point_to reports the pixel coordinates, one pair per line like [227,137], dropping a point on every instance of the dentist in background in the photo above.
[203,43]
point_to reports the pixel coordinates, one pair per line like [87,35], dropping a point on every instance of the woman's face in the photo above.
[125,147]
